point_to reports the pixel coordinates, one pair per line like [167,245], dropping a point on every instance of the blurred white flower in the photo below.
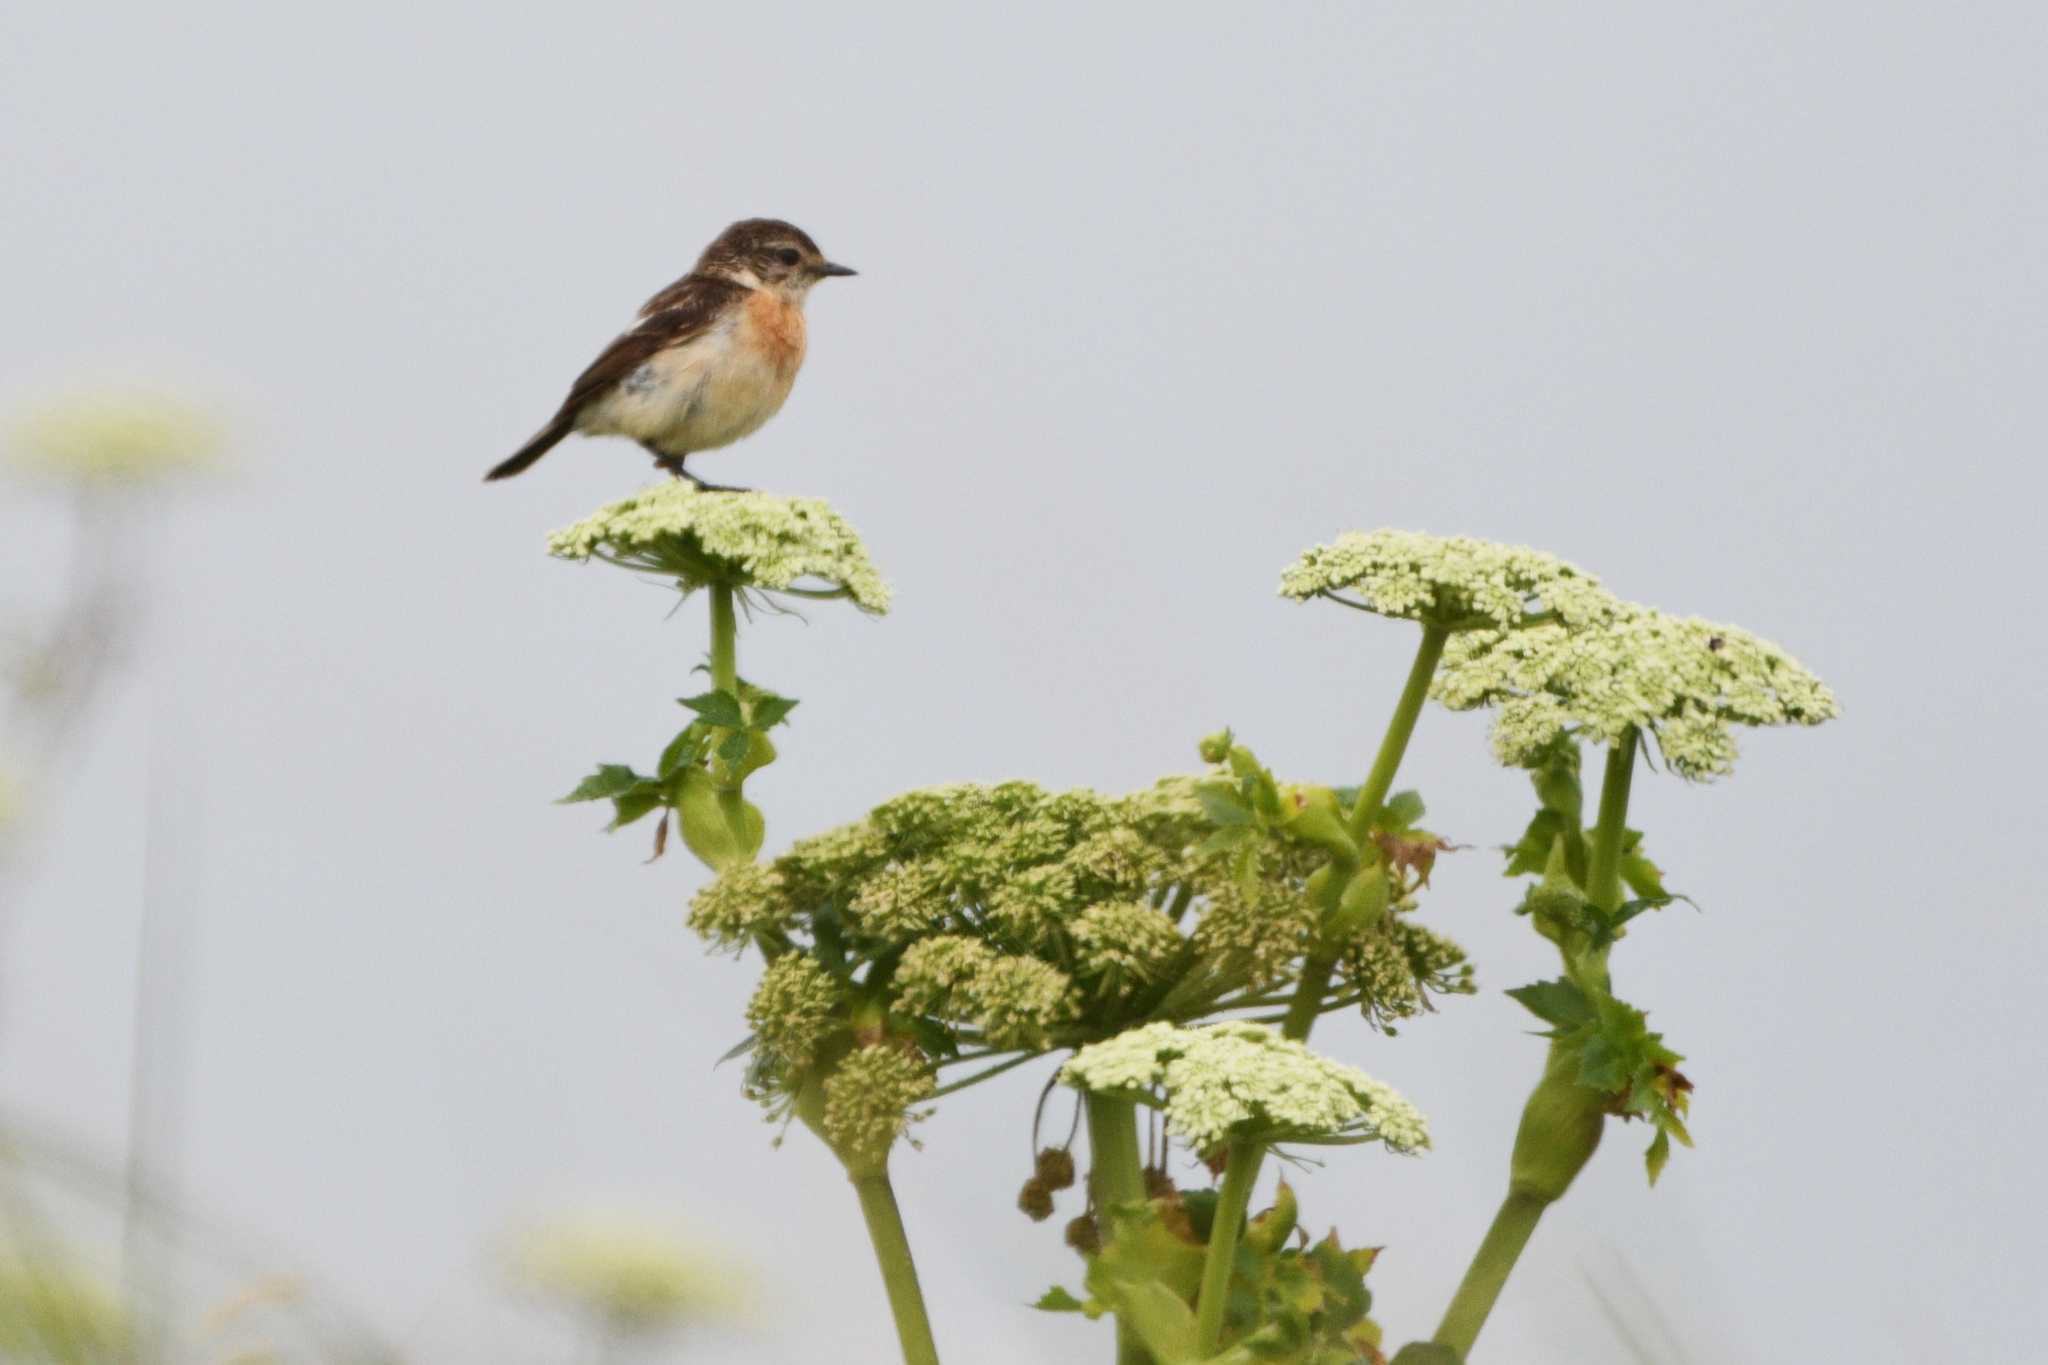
[633,1276]
[117,436]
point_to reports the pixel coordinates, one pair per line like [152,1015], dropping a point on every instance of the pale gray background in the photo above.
[1740,305]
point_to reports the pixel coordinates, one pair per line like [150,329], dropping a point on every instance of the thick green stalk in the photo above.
[1240,1173]
[1603,873]
[1394,744]
[1563,1120]
[724,639]
[1116,1175]
[1315,972]
[1489,1271]
[899,1272]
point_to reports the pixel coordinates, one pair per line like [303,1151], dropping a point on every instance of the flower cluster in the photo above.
[1235,1081]
[1395,971]
[743,540]
[870,1102]
[1681,680]
[794,1009]
[1455,582]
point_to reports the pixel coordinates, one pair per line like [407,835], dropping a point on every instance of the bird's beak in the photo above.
[830,268]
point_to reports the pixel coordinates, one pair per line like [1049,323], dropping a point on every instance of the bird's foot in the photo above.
[673,464]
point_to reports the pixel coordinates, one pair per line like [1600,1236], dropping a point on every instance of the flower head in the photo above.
[743,540]
[870,1102]
[793,1011]
[118,437]
[1684,681]
[1238,1081]
[1451,581]
[634,1276]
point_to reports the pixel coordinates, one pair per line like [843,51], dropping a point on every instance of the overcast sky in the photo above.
[1741,306]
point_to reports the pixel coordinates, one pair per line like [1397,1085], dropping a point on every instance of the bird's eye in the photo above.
[789,255]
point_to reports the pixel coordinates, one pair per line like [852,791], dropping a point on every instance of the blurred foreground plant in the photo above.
[1181,941]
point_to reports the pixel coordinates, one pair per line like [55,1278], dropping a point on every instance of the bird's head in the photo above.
[767,253]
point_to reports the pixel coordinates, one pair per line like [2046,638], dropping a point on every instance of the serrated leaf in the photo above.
[1402,810]
[771,710]
[682,749]
[722,709]
[1222,805]
[636,805]
[608,781]
[1658,1155]
[733,748]
[1558,1003]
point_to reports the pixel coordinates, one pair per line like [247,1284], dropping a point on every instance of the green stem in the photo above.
[1394,744]
[724,639]
[899,1272]
[1563,1120]
[1322,961]
[1603,875]
[1510,1232]
[1116,1175]
[1603,871]
[1240,1173]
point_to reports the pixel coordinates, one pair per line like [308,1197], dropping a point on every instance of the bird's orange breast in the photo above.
[774,328]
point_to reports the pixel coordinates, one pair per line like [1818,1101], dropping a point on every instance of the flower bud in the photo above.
[720,827]
[1362,906]
[1056,1168]
[1215,748]
[1084,1236]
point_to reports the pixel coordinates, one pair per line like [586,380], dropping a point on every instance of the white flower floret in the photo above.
[1238,1081]
[758,540]
[1681,680]
[1452,581]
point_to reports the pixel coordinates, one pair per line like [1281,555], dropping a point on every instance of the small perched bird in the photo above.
[711,358]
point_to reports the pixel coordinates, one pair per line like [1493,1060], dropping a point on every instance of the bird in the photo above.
[707,361]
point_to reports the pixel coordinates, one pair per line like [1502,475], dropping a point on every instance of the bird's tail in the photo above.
[544,440]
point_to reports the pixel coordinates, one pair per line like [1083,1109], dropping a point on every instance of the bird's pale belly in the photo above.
[707,393]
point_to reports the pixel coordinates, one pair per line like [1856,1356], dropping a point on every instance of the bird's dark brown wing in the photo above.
[680,313]
[685,310]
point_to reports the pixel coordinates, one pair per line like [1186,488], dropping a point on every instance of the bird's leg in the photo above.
[673,464]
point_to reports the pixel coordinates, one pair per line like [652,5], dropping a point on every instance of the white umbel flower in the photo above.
[1237,1081]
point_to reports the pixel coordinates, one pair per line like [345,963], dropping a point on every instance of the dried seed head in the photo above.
[1035,1200]
[1056,1168]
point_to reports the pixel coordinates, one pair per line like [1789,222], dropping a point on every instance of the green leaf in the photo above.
[1059,1300]
[684,748]
[718,708]
[636,805]
[1222,806]
[1402,810]
[1659,1153]
[733,748]
[771,710]
[1558,1003]
[608,781]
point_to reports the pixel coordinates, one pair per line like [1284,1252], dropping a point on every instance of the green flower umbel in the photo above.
[1685,681]
[1452,582]
[762,541]
[1242,1082]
